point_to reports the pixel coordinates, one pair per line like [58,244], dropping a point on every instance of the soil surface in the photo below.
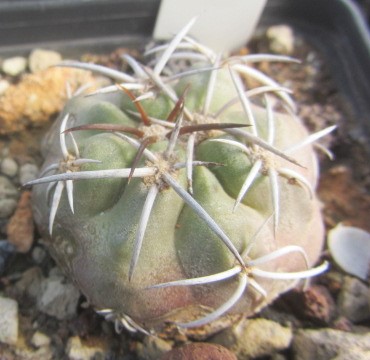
[81,333]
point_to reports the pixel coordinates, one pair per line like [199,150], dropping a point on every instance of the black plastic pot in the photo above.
[336,27]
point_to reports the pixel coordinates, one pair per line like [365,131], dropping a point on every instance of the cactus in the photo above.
[181,197]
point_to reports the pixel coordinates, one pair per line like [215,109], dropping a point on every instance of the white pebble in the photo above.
[4,84]
[41,59]
[39,339]
[350,248]
[281,39]
[14,66]
[8,320]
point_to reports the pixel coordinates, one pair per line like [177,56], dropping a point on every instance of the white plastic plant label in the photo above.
[223,25]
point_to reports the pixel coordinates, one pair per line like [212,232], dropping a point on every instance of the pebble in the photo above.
[6,249]
[199,351]
[39,339]
[8,320]
[153,348]
[314,304]
[8,197]
[4,84]
[28,172]
[353,300]
[78,350]
[330,344]
[38,254]
[9,167]
[14,66]
[255,338]
[41,59]
[30,282]
[20,229]
[58,298]
[281,39]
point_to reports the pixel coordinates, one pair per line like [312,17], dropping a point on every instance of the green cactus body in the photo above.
[95,243]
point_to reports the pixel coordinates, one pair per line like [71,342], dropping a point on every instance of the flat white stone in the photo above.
[8,321]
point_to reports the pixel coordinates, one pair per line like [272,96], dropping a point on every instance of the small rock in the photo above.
[153,348]
[57,298]
[20,228]
[78,350]
[40,340]
[8,197]
[314,304]
[9,167]
[254,338]
[281,39]
[28,172]
[41,59]
[14,66]
[6,249]
[8,320]
[329,344]
[353,300]
[38,254]
[30,282]
[4,84]
[199,351]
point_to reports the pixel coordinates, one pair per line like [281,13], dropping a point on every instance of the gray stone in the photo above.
[9,167]
[281,39]
[77,350]
[14,66]
[254,338]
[28,172]
[58,298]
[8,320]
[353,300]
[30,282]
[41,59]
[8,197]
[329,344]
[38,254]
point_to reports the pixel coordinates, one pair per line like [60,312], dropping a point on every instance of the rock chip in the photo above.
[9,167]
[39,339]
[14,66]
[330,344]
[353,300]
[281,39]
[41,59]
[314,304]
[8,197]
[6,250]
[79,350]
[58,298]
[4,84]
[30,282]
[8,320]
[20,228]
[199,351]
[153,348]
[255,338]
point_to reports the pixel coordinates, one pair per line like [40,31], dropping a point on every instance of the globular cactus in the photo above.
[182,197]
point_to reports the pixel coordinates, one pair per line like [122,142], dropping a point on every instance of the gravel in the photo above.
[8,320]
[8,197]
